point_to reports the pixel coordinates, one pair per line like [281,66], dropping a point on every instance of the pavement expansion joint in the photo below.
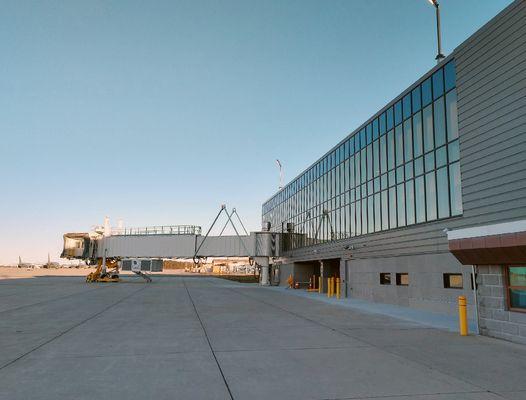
[208,341]
[290,349]
[50,300]
[421,396]
[70,328]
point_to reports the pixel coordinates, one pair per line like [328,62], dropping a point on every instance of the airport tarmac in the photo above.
[206,338]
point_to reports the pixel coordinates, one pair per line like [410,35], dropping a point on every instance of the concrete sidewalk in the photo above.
[421,317]
[205,338]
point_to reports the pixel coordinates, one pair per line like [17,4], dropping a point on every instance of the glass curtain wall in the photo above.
[401,168]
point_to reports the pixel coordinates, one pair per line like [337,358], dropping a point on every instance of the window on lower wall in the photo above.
[402,279]
[516,287]
[385,278]
[453,281]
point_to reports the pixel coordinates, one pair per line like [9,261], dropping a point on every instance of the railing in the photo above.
[158,230]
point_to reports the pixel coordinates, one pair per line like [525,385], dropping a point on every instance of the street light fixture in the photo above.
[439,56]
[278,163]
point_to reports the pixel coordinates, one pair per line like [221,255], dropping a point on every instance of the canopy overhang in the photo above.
[496,244]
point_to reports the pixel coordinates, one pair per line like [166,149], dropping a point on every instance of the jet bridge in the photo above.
[256,244]
[175,241]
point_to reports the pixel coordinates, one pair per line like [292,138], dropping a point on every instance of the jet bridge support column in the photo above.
[263,262]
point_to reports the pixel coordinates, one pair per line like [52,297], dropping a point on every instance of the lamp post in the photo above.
[439,56]
[278,163]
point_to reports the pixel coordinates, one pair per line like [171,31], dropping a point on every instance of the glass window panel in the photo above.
[419,166]
[370,214]
[455,189]
[383,181]
[347,227]
[431,203]
[346,170]
[352,219]
[427,115]
[370,187]
[358,192]
[369,133]
[377,213]
[376,158]
[400,193]
[420,199]
[399,145]
[451,115]
[453,281]
[351,146]
[392,208]
[517,276]
[390,119]
[443,193]
[430,162]
[376,185]
[364,190]
[370,162]
[417,102]
[408,140]
[398,112]
[409,170]
[363,138]
[441,157]
[385,210]
[390,150]
[383,128]
[418,134]
[449,75]
[400,174]
[440,122]
[363,156]
[357,159]
[392,178]
[454,151]
[383,154]
[426,92]
[351,172]
[410,202]
[407,106]
[364,216]
[375,129]
[517,298]
[438,84]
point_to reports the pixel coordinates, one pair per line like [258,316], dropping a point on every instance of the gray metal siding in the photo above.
[491,87]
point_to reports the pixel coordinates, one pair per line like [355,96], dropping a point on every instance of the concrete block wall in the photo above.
[494,318]
[426,282]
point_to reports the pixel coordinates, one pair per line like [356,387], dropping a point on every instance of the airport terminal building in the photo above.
[428,190]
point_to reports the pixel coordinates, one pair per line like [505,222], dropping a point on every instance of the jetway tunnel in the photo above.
[173,242]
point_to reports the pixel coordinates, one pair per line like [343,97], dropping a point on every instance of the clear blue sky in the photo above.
[157,112]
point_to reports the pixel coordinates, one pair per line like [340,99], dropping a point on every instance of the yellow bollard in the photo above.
[338,288]
[463,315]
[328,287]
[320,284]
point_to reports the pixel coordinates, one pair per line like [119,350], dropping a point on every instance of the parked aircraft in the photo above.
[25,265]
